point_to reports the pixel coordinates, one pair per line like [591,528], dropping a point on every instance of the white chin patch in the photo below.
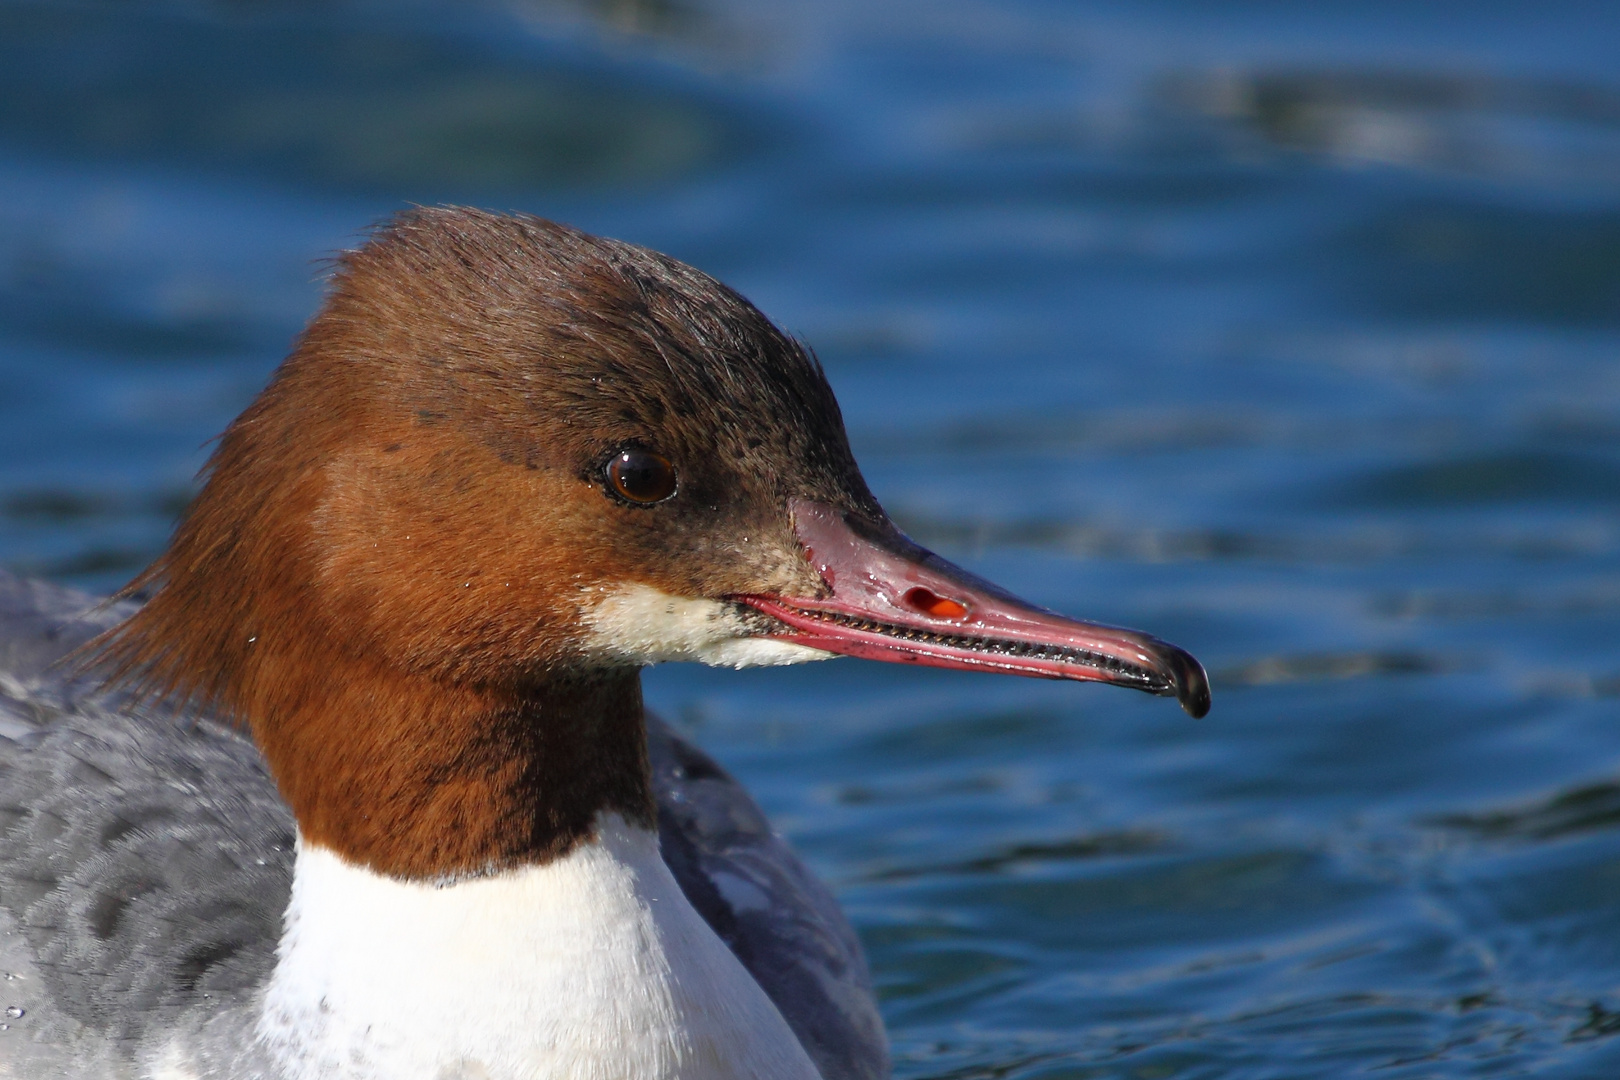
[641,625]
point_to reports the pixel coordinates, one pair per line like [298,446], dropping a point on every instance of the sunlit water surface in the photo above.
[1290,337]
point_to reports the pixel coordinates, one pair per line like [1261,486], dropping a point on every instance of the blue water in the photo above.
[1290,333]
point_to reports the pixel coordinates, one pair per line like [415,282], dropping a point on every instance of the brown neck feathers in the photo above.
[438,781]
[410,773]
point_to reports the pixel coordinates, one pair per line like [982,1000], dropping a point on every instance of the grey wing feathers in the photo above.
[779,920]
[145,861]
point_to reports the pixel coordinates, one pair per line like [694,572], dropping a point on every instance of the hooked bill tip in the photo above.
[1188,681]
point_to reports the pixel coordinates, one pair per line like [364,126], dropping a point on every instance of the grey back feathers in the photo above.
[145,862]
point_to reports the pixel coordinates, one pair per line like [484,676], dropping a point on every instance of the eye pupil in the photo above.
[641,476]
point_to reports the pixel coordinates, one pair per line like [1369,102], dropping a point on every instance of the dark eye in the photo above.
[641,476]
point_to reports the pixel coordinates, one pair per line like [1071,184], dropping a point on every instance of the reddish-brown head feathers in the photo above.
[383,574]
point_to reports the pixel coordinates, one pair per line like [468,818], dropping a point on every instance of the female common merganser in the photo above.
[506,466]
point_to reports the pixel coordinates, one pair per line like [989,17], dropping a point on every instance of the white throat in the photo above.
[592,966]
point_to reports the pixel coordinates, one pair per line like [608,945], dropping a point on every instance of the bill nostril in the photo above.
[931,603]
